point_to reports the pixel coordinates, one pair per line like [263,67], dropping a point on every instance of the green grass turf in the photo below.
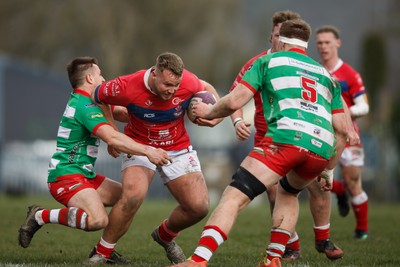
[56,245]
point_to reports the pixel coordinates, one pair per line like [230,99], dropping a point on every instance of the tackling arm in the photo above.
[208,87]
[120,113]
[353,138]
[340,125]
[205,122]
[113,151]
[225,106]
[125,144]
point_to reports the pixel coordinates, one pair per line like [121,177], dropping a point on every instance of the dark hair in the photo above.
[296,28]
[76,70]
[170,61]
[282,16]
[329,28]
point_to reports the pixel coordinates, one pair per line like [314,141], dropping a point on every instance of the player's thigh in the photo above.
[352,179]
[233,198]
[351,173]
[189,189]
[296,181]
[89,200]
[109,192]
[315,192]
[261,171]
[135,181]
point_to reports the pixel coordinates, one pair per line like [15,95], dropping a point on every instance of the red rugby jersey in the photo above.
[351,84]
[259,121]
[153,121]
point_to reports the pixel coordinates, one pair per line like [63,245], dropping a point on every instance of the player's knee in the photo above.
[355,179]
[351,176]
[202,210]
[287,187]
[247,183]
[198,208]
[97,222]
[129,204]
[115,196]
[353,183]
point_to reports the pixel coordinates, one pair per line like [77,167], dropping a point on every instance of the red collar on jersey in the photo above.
[298,50]
[81,92]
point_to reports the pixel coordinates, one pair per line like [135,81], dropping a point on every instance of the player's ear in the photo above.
[338,43]
[89,78]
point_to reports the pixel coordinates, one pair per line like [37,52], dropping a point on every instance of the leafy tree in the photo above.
[374,65]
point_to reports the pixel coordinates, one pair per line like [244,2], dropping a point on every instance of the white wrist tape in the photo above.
[360,107]
[237,121]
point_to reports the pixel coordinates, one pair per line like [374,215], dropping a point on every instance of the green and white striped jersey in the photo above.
[77,146]
[299,97]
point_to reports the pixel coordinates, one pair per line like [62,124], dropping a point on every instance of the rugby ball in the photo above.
[203,96]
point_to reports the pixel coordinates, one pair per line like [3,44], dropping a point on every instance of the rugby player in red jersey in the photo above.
[157,99]
[352,158]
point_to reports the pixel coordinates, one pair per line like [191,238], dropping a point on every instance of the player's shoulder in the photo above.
[130,85]
[190,82]
[262,59]
[80,101]
[251,61]
[295,59]
[133,76]
[82,110]
[257,56]
[85,105]
[188,75]
[347,68]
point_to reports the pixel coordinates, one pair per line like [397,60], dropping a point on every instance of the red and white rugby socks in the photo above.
[104,248]
[278,240]
[71,217]
[360,208]
[211,238]
[294,242]
[338,187]
[322,232]
[165,233]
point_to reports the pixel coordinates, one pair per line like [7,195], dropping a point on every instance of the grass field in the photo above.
[55,245]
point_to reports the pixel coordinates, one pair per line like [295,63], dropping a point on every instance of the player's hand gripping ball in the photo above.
[203,96]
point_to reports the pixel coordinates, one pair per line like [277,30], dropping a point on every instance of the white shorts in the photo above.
[352,156]
[183,162]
